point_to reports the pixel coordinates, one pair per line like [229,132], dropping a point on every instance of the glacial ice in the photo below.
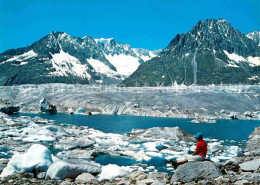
[38,157]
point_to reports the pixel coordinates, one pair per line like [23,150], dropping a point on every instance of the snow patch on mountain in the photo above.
[66,65]
[255,36]
[22,57]
[103,40]
[234,57]
[254,61]
[124,64]
[100,67]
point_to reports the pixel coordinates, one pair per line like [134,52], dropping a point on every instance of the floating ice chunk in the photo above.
[139,156]
[154,154]
[38,138]
[112,171]
[151,146]
[38,157]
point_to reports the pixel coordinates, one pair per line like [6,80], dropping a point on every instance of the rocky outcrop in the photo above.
[253,144]
[7,107]
[192,171]
[47,107]
[212,52]
[250,166]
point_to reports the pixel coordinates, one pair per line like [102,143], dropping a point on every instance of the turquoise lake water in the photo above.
[223,129]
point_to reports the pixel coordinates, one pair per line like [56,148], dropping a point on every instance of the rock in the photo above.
[47,107]
[62,170]
[233,115]
[10,109]
[41,175]
[253,143]
[221,180]
[195,171]
[80,111]
[242,182]
[137,175]
[250,165]
[84,178]
[231,165]
[149,182]
[160,176]
[37,157]
[248,114]
[112,171]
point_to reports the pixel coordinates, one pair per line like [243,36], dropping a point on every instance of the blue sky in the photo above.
[150,24]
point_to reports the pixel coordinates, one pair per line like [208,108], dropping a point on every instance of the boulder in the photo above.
[112,171]
[38,157]
[250,165]
[242,182]
[47,107]
[192,171]
[10,109]
[61,170]
[84,178]
[254,140]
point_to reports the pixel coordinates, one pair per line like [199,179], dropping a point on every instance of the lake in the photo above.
[223,129]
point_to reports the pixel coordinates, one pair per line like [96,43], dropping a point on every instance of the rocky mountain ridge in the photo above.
[62,58]
[212,52]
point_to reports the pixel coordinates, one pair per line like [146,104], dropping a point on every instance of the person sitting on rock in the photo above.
[198,155]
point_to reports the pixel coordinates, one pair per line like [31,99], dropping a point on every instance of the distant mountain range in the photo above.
[212,52]
[61,58]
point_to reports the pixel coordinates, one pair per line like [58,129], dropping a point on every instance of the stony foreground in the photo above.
[202,102]
[28,141]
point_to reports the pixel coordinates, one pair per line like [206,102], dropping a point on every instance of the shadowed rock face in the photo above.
[195,171]
[212,52]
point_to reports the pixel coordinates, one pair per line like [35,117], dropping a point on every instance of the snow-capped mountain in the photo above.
[255,36]
[61,58]
[212,52]
[125,58]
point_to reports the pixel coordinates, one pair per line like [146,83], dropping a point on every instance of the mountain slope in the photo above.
[212,52]
[125,58]
[255,36]
[61,58]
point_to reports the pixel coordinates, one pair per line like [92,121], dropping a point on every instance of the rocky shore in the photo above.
[204,103]
[37,151]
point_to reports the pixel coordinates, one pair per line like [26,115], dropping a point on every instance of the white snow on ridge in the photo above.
[124,64]
[235,57]
[102,40]
[253,61]
[22,57]
[66,64]
[100,67]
